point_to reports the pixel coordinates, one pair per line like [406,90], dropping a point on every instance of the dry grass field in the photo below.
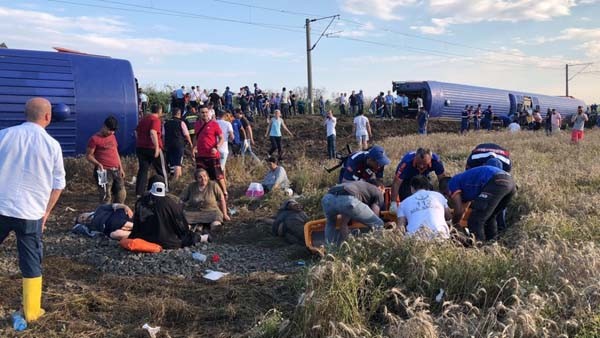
[540,280]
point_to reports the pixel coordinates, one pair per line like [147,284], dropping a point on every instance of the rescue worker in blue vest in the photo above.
[480,155]
[365,165]
[488,117]
[488,188]
[464,120]
[420,162]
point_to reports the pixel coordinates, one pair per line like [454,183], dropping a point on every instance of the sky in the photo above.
[511,44]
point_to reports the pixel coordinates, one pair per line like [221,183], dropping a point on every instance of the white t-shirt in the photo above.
[143,98]
[419,102]
[227,129]
[360,122]
[330,124]
[425,208]
[514,127]
[285,97]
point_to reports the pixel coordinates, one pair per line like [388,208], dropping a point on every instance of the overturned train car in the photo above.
[448,100]
[83,89]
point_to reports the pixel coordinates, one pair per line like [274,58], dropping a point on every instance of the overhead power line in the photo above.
[166,12]
[468,58]
[385,29]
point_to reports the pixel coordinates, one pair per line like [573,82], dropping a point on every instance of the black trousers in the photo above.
[276,145]
[145,160]
[492,199]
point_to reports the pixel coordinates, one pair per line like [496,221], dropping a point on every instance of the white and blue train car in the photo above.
[447,100]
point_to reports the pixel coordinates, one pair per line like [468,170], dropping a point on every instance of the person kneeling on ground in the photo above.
[424,211]
[289,222]
[204,202]
[276,177]
[489,188]
[114,220]
[159,218]
[358,201]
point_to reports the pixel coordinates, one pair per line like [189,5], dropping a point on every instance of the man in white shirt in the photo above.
[419,101]
[425,211]
[362,130]
[227,130]
[330,122]
[514,127]
[32,177]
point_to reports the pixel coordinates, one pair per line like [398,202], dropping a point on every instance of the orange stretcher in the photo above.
[314,231]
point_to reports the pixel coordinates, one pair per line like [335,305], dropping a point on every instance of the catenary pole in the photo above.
[309,67]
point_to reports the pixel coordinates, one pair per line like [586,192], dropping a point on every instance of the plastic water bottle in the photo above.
[19,323]
[199,257]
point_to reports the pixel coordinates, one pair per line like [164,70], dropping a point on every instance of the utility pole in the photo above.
[309,49]
[567,78]
[309,68]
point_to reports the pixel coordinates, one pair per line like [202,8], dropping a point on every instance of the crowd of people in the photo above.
[210,127]
[479,195]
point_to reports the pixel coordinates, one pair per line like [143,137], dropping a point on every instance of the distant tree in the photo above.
[160,96]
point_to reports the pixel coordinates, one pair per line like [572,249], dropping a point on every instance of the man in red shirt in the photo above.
[103,153]
[208,139]
[149,148]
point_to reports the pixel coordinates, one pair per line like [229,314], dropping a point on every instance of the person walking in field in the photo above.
[555,121]
[102,152]
[423,121]
[329,124]
[176,137]
[361,128]
[274,134]
[579,121]
[149,145]
[32,177]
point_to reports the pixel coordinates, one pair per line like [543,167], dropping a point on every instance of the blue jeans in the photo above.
[29,243]
[247,150]
[331,146]
[350,206]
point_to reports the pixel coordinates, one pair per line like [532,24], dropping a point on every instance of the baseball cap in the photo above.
[158,189]
[378,154]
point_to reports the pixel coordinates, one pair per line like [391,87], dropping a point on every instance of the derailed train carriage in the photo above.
[447,100]
[83,89]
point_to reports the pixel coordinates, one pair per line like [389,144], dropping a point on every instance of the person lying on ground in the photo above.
[489,189]
[420,162]
[276,178]
[365,165]
[204,202]
[289,222]
[159,218]
[114,220]
[425,211]
[358,201]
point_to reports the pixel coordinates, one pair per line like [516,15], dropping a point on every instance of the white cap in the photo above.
[158,189]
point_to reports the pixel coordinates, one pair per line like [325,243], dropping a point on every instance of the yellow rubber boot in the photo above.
[32,298]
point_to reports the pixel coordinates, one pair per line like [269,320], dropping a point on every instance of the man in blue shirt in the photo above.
[420,162]
[360,101]
[179,98]
[405,104]
[228,99]
[488,117]
[363,165]
[482,154]
[489,189]
[389,104]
